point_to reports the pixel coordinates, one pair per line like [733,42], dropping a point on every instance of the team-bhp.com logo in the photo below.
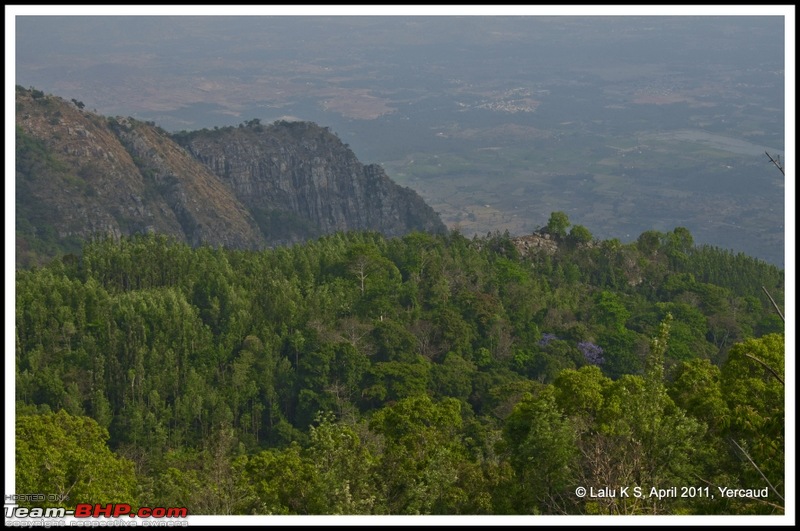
[96,510]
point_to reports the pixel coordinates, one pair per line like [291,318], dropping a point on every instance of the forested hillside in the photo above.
[428,374]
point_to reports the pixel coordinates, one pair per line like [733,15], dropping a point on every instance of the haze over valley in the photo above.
[625,123]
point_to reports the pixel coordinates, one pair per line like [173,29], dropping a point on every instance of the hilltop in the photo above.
[80,174]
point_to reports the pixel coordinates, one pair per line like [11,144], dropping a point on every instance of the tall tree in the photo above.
[557,224]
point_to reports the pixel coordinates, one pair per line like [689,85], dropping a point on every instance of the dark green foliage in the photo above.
[451,374]
[579,234]
[543,451]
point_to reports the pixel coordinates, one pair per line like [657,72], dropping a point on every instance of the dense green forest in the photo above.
[426,374]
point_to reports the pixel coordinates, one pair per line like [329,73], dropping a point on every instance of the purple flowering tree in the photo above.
[592,353]
[546,339]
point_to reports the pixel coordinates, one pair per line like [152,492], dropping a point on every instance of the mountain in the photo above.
[298,178]
[79,174]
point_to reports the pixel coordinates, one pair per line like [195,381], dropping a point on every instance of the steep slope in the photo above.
[74,178]
[205,208]
[300,180]
[79,174]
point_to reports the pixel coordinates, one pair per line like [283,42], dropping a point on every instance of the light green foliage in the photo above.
[697,390]
[423,454]
[345,469]
[680,239]
[580,392]
[687,332]
[181,488]
[277,482]
[679,244]
[609,312]
[333,475]
[66,456]
[557,224]
[755,397]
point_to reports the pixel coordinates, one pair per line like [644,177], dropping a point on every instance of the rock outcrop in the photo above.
[302,171]
[253,186]
[538,242]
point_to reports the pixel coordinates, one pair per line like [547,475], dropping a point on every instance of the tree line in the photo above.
[429,374]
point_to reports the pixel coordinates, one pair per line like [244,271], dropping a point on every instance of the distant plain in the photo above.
[625,123]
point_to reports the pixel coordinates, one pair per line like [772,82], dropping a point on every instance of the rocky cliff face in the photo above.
[206,210]
[79,174]
[304,172]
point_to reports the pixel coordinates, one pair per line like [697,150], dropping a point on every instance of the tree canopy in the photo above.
[429,374]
